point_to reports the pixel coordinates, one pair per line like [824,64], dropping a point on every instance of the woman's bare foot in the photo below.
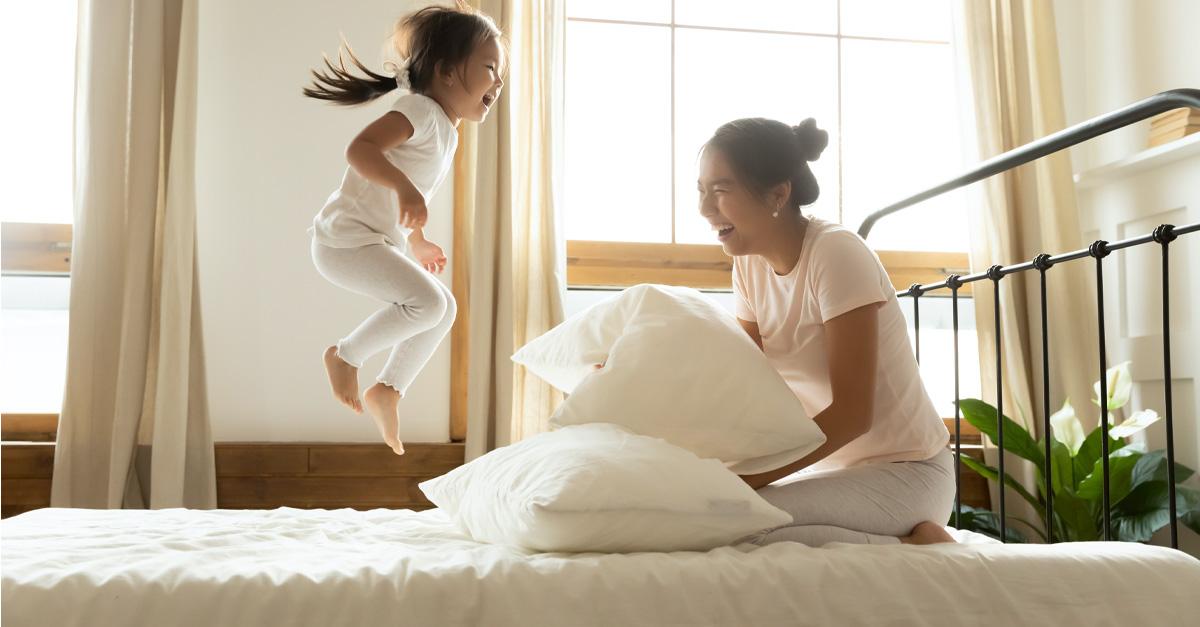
[343,379]
[381,401]
[928,532]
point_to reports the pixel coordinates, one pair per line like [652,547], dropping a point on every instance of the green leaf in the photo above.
[1016,439]
[1077,515]
[1120,469]
[1119,383]
[1187,504]
[1135,423]
[1065,426]
[992,474]
[986,522]
[1089,453]
[1142,513]
[1062,474]
[1153,467]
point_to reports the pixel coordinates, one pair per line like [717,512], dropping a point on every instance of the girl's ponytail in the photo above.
[339,86]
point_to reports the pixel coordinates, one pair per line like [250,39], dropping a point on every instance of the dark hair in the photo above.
[429,37]
[765,153]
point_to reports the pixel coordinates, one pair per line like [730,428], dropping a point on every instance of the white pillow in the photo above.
[677,367]
[599,487]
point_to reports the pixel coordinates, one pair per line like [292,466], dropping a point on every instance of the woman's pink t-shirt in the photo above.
[837,273]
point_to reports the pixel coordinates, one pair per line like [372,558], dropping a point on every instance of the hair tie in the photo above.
[399,71]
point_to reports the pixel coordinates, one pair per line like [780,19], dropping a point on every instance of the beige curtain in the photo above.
[1009,65]
[506,188]
[134,428]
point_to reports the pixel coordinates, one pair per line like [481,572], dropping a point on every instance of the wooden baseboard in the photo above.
[266,475]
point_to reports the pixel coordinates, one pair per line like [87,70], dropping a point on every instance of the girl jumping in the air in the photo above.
[451,68]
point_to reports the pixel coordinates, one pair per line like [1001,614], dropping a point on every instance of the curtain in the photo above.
[507,177]
[1011,92]
[134,429]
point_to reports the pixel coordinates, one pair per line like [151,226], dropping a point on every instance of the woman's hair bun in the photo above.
[812,140]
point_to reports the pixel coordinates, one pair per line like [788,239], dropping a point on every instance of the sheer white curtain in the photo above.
[1007,54]
[507,178]
[134,429]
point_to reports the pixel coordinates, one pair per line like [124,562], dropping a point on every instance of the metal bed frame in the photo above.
[1098,250]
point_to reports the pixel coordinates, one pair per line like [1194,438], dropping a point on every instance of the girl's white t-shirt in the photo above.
[838,273]
[360,212]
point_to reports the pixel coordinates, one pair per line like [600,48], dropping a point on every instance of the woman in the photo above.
[819,304]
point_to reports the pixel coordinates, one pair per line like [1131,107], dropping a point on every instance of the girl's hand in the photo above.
[413,212]
[429,255]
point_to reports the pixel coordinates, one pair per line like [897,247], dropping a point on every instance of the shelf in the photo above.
[1148,159]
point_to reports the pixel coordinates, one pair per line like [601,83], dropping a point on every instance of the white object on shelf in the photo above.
[1140,162]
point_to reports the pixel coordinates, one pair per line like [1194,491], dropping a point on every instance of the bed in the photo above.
[347,567]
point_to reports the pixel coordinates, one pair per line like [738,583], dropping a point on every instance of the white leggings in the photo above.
[869,504]
[419,315]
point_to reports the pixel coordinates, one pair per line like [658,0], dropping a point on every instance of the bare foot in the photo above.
[343,379]
[928,532]
[381,401]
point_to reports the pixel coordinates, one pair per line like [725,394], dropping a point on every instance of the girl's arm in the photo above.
[853,350]
[751,329]
[366,155]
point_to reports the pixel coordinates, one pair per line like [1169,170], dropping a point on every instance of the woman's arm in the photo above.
[751,329]
[852,346]
[366,155]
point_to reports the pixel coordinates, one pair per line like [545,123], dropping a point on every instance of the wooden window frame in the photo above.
[703,266]
[35,248]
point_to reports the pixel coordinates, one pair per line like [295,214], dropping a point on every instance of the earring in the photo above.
[776,214]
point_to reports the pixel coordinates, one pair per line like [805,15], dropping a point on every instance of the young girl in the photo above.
[452,67]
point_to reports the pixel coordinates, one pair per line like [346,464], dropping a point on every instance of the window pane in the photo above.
[33,333]
[633,10]
[618,133]
[937,349]
[722,76]
[35,156]
[911,19]
[805,16]
[900,135]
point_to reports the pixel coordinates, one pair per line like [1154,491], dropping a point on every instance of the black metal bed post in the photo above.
[1042,263]
[954,283]
[915,291]
[1164,235]
[1099,250]
[995,273]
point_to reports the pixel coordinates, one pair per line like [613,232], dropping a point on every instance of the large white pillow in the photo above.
[598,487]
[677,367]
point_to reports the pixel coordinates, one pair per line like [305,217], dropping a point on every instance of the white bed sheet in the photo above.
[344,567]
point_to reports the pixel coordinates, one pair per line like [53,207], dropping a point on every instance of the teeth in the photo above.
[721,227]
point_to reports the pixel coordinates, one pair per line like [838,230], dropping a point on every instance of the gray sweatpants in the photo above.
[417,318]
[869,504]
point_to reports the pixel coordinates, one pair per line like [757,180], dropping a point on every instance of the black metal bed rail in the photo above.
[1163,235]
[1049,144]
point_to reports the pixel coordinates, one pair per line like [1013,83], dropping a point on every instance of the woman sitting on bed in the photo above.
[818,302]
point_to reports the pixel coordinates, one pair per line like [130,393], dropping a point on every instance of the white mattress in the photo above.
[297,567]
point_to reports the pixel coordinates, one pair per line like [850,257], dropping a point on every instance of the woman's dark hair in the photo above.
[765,153]
[428,38]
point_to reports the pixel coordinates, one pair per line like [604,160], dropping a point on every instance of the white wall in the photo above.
[1113,53]
[266,160]
[1116,52]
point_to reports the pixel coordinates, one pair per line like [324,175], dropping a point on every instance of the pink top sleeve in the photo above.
[845,275]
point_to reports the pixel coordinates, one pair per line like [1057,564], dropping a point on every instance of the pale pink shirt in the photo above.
[837,273]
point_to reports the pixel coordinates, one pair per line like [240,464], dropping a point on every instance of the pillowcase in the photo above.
[677,367]
[598,487]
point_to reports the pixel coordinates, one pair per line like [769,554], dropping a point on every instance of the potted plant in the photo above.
[1138,495]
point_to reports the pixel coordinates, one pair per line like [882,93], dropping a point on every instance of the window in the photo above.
[647,82]
[36,211]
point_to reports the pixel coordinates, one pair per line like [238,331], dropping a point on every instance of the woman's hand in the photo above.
[429,255]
